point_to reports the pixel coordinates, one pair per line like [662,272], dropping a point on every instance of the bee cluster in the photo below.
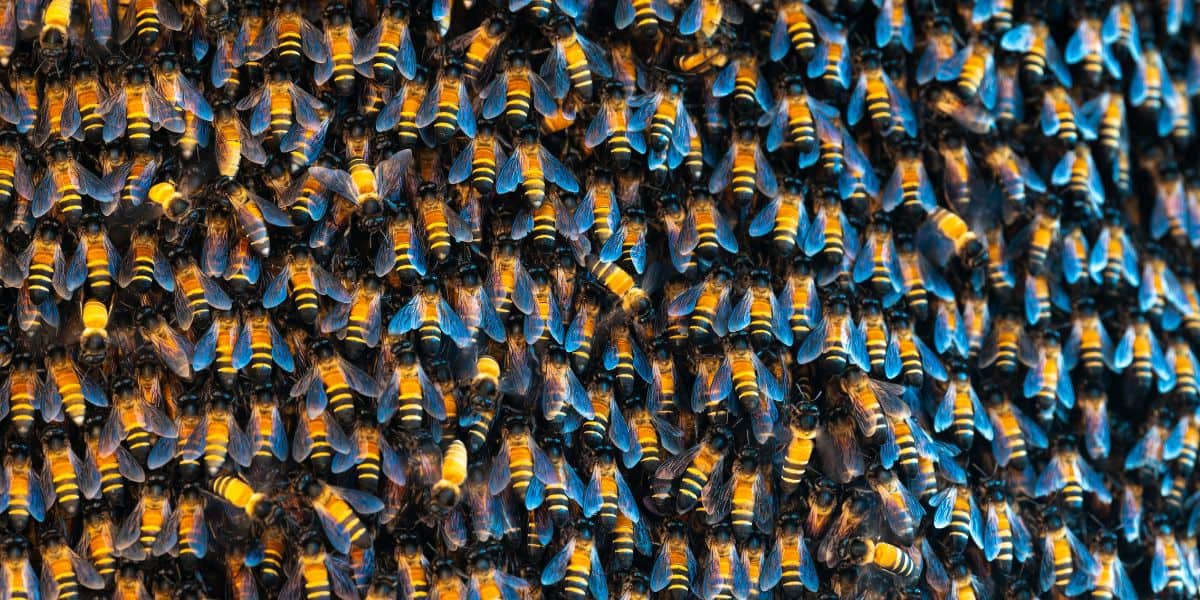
[669,298]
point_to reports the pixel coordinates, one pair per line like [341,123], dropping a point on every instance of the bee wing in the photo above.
[720,176]
[358,379]
[1051,479]
[1046,574]
[428,111]
[556,172]
[557,567]
[814,344]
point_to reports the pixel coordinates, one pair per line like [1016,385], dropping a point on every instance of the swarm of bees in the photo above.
[508,299]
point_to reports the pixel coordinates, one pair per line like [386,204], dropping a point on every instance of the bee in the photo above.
[875,93]
[629,240]
[400,113]
[872,401]
[14,174]
[334,48]
[909,186]
[973,72]
[306,279]
[1140,349]
[317,573]
[1109,579]
[19,395]
[24,490]
[136,108]
[218,346]
[259,344]
[1068,473]
[697,465]
[388,46]
[1014,431]
[478,161]
[708,303]
[644,15]
[960,407]
[882,555]
[280,105]
[148,19]
[337,508]
[970,116]
[64,571]
[1151,85]
[940,46]
[1047,379]
[234,142]
[196,295]
[513,91]
[138,532]
[520,460]
[1069,565]
[620,123]
[445,105]
[370,454]
[66,389]
[113,468]
[1042,295]
[58,114]
[744,168]
[795,29]
[531,166]
[400,395]
[785,219]
[1040,55]
[1061,118]
[64,184]
[574,62]
[607,497]
[68,480]
[1089,343]
[332,381]
[440,224]
[906,353]
[901,509]
[743,79]
[803,426]
[726,572]
[955,508]
[1171,208]
[1077,174]
[746,496]
[433,316]
[489,581]
[877,261]
[133,420]
[560,387]
[836,339]
[675,567]
[218,437]
[17,575]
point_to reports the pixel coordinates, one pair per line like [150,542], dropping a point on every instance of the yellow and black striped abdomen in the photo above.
[447,112]
[895,560]
[534,184]
[337,389]
[743,174]
[521,466]
[316,579]
[577,67]
[66,486]
[343,62]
